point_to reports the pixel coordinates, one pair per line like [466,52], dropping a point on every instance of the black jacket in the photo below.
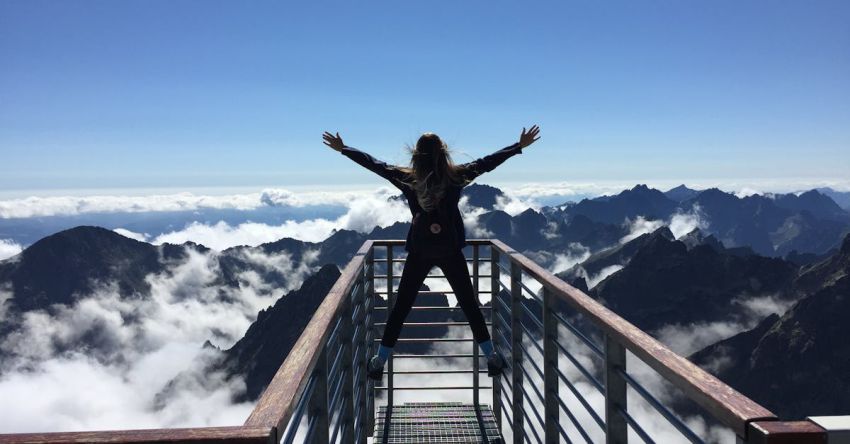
[449,202]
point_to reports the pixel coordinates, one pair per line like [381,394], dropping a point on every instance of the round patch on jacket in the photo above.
[435,228]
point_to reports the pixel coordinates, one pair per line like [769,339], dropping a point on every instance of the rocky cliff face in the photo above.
[798,364]
[262,350]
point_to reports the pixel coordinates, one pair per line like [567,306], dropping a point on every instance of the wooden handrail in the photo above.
[239,434]
[277,403]
[725,403]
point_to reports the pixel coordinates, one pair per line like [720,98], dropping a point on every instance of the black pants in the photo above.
[416,268]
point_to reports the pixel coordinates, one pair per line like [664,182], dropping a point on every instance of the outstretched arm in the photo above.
[379,167]
[489,162]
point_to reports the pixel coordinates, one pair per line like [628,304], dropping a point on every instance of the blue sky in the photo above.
[146,94]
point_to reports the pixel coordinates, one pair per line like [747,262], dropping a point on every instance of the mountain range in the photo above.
[683,258]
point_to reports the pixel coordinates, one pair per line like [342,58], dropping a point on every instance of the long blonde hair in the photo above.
[431,170]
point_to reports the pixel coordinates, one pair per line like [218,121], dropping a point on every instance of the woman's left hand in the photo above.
[332,141]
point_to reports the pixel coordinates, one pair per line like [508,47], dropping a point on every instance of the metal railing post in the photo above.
[550,367]
[516,353]
[346,336]
[616,429]
[475,344]
[367,415]
[390,300]
[494,292]
[318,404]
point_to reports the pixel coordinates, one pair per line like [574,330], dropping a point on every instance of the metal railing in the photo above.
[321,393]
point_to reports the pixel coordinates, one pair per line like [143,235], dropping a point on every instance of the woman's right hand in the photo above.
[526,139]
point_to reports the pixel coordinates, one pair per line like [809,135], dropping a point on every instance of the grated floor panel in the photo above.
[436,422]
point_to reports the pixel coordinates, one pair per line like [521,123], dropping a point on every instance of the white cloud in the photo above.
[9,248]
[39,206]
[514,204]
[745,313]
[576,253]
[640,226]
[470,215]
[603,274]
[135,346]
[683,223]
[746,192]
[365,212]
[679,223]
[141,237]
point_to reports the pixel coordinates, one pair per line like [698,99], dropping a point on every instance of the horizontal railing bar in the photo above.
[506,410]
[533,316]
[539,372]
[596,383]
[587,407]
[299,410]
[725,403]
[400,242]
[336,360]
[563,433]
[533,386]
[660,408]
[311,428]
[434,307]
[634,425]
[506,346]
[534,343]
[436,372]
[384,292]
[534,408]
[430,324]
[528,290]
[533,429]
[577,425]
[405,260]
[421,340]
[337,392]
[430,276]
[593,347]
[434,356]
[440,387]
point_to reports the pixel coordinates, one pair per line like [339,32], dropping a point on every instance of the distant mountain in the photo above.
[768,228]
[842,198]
[68,264]
[795,365]
[666,282]
[619,254]
[638,201]
[815,203]
[681,193]
[482,196]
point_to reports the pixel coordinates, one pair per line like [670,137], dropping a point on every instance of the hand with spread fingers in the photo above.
[332,141]
[527,138]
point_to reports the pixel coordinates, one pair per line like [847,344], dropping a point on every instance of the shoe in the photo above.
[495,364]
[374,369]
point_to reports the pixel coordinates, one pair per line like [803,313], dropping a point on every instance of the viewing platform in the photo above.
[577,372]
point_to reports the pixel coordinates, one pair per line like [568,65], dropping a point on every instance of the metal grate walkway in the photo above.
[437,422]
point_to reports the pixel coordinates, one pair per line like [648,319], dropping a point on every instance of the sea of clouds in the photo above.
[143,345]
[105,361]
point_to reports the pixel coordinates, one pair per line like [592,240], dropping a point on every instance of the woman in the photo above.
[432,185]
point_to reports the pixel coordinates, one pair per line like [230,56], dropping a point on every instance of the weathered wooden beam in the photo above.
[277,403]
[785,432]
[236,435]
[725,403]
